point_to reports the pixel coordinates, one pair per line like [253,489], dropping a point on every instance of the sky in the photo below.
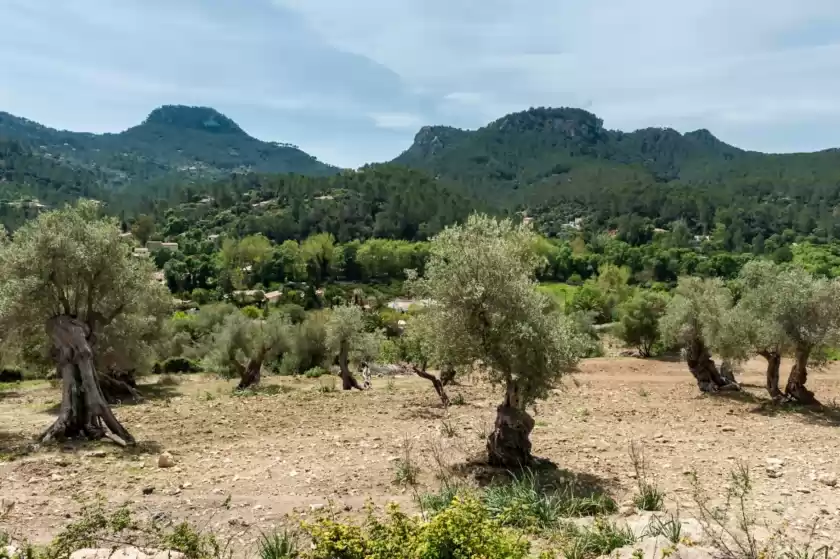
[352,81]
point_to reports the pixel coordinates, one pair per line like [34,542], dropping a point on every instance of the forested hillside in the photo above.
[173,142]
[562,163]
[553,165]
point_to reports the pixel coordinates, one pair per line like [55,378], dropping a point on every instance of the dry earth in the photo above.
[299,449]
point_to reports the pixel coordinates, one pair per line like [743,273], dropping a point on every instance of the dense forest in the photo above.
[561,164]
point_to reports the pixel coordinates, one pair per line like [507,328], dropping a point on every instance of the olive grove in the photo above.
[783,311]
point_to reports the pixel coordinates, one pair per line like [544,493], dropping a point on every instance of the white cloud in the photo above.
[352,81]
[397,121]
[636,63]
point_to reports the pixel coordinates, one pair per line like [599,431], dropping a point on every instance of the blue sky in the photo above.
[351,81]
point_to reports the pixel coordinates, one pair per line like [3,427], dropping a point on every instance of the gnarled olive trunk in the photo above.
[436,382]
[118,386]
[509,445]
[774,363]
[250,374]
[447,375]
[704,370]
[84,410]
[727,371]
[795,389]
[348,381]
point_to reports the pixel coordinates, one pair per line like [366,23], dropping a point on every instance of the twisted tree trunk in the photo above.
[447,375]
[118,386]
[84,410]
[436,382]
[509,445]
[705,372]
[774,363]
[250,375]
[795,389]
[348,381]
[727,371]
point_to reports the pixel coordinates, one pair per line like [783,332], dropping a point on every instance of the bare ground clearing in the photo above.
[285,452]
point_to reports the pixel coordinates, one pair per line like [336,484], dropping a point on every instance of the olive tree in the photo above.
[638,319]
[415,351]
[68,278]
[347,338]
[241,345]
[782,311]
[755,325]
[484,309]
[810,320]
[693,320]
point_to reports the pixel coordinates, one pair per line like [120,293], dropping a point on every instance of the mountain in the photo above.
[562,163]
[523,147]
[173,141]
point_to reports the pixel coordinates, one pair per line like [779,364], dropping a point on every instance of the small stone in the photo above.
[804,490]
[97,454]
[727,429]
[166,460]
[148,490]
[778,508]
[316,506]
[627,511]
[57,477]
[772,473]
[828,479]
[186,485]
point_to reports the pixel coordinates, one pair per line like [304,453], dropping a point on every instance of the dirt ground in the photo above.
[299,449]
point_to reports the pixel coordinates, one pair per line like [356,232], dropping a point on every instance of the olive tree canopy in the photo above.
[68,278]
[241,345]
[694,319]
[484,308]
[347,339]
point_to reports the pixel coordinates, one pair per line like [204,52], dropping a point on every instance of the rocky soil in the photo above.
[241,464]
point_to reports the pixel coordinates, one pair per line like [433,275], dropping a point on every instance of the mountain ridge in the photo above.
[525,147]
[173,140]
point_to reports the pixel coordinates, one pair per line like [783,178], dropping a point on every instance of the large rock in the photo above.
[662,548]
[125,553]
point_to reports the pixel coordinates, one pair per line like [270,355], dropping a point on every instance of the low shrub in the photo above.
[177,365]
[279,545]
[650,497]
[526,502]
[465,529]
[295,313]
[316,372]
[252,312]
[326,385]
[95,527]
[601,538]
[11,375]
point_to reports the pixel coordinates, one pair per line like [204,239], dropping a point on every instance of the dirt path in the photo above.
[300,448]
